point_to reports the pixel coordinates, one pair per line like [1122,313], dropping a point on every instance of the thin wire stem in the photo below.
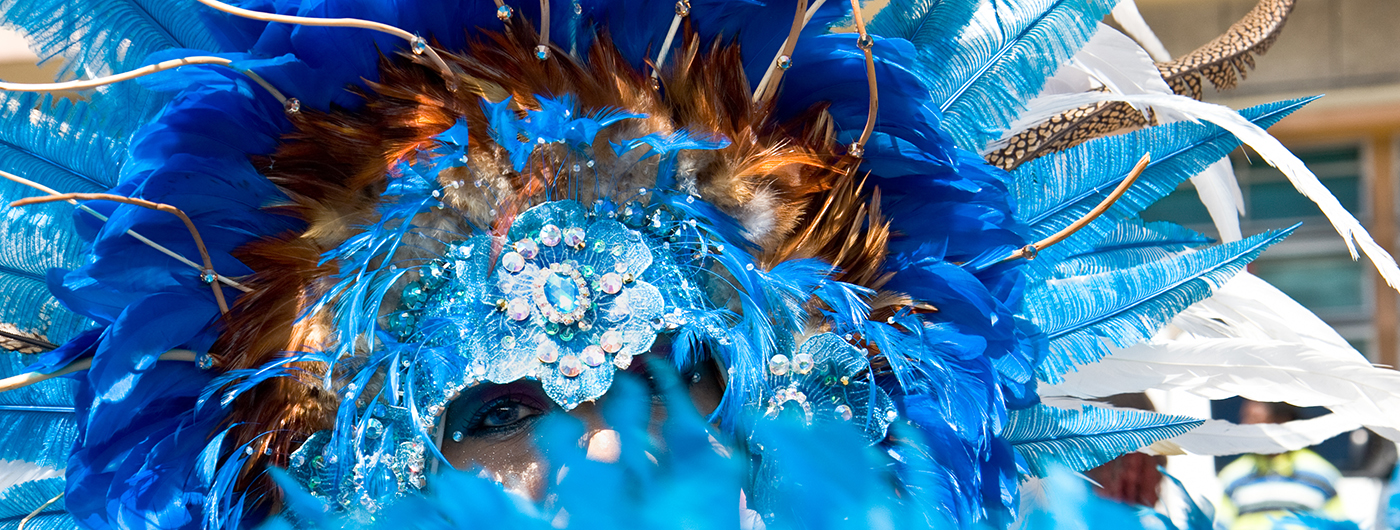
[769,84]
[160,207]
[1030,251]
[337,23]
[866,46]
[544,26]
[31,378]
[682,11]
[24,181]
[84,84]
[25,521]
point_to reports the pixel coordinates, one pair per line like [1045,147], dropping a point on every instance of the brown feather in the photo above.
[1224,61]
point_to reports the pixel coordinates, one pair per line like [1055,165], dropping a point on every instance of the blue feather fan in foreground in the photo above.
[427,245]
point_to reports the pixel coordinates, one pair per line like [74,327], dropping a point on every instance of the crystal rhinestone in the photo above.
[513,261]
[891,415]
[292,106]
[204,361]
[611,341]
[413,295]
[547,352]
[573,237]
[419,45]
[610,283]
[541,52]
[1030,252]
[682,8]
[518,309]
[857,150]
[504,13]
[208,277]
[802,363]
[578,8]
[865,42]
[550,235]
[784,62]
[577,168]
[508,342]
[844,412]
[592,355]
[562,292]
[570,366]
[622,361]
[374,429]
[457,436]
[778,364]
[527,248]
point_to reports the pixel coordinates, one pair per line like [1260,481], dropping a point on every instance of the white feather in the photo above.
[1255,369]
[1127,15]
[1117,63]
[1252,135]
[1247,307]
[1220,192]
[1221,438]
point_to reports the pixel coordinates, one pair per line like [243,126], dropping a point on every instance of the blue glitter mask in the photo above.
[568,301]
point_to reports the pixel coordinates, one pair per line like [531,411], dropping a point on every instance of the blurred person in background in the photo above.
[1261,489]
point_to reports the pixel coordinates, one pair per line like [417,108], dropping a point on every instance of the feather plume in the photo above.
[37,424]
[1002,59]
[1083,438]
[1128,17]
[1260,370]
[1129,305]
[1223,438]
[1055,191]
[1109,62]
[1220,192]
[1219,61]
[1228,58]
[1269,148]
[19,501]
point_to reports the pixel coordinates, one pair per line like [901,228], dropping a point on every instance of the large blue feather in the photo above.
[932,26]
[1129,305]
[1055,191]
[36,422]
[19,501]
[1131,244]
[1081,439]
[1001,60]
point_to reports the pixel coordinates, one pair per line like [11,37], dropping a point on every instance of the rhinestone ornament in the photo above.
[527,248]
[784,62]
[682,8]
[611,341]
[622,361]
[547,352]
[573,237]
[542,52]
[550,235]
[610,283]
[292,106]
[802,363]
[570,366]
[593,355]
[504,13]
[513,262]
[518,309]
[778,365]
[844,412]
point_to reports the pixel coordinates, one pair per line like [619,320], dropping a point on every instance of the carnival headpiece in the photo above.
[303,276]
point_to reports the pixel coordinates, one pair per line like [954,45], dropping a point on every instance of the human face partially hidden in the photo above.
[497,425]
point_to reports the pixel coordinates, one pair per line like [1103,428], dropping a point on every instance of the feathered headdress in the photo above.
[313,224]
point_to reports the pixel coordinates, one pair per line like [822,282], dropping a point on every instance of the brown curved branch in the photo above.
[1030,251]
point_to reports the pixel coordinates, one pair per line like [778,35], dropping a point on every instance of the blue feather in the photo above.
[1131,244]
[1002,59]
[37,424]
[930,25]
[1081,439]
[1127,306]
[19,501]
[1053,192]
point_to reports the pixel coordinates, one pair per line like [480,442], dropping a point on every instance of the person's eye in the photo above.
[502,415]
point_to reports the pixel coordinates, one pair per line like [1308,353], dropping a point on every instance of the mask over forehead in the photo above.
[458,282]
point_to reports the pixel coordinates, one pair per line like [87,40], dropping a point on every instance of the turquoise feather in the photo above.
[20,500]
[1131,244]
[1002,59]
[37,424]
[1128,306]
[1054,191]
[1046,437]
